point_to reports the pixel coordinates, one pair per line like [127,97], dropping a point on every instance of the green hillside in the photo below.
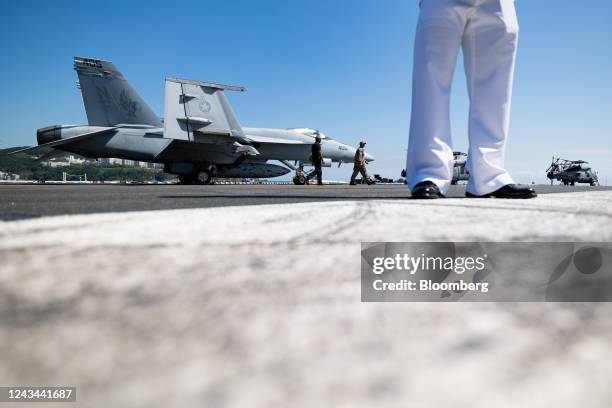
[27,168]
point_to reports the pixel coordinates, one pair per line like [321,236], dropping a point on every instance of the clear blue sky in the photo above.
[342,66]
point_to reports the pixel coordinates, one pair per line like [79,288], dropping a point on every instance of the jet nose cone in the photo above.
[369,157]
[48,134]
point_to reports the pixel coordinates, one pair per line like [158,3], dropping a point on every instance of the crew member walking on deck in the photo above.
[317,159]
[359,165]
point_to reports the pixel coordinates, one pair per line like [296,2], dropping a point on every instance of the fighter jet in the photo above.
[198,139]
[571,172]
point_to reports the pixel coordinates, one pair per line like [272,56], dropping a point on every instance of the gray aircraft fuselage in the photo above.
[143,143]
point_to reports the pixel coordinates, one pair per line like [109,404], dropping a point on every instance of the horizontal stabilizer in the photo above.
[66,141]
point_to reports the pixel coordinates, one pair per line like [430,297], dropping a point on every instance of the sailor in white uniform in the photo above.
[487,31]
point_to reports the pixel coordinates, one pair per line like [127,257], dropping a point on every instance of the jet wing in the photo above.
[62,142]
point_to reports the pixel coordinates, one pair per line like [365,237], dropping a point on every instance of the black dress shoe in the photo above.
[426,190]
[508,191]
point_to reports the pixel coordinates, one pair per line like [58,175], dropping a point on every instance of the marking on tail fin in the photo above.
[131,106]
[204,106]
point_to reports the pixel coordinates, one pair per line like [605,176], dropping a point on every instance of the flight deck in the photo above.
[27,201]
[243,291]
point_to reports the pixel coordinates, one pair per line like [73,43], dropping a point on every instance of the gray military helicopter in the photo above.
[199,138]
[570,172]
[460,172]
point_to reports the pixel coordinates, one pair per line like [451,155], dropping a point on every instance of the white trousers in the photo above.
[487,31]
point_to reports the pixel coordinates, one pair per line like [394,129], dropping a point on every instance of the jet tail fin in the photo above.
[199,107]
[108,98]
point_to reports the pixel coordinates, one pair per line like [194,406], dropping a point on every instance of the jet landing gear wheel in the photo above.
[300,180]
[204,177]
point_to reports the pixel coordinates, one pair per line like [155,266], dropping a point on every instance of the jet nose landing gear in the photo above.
[301,177]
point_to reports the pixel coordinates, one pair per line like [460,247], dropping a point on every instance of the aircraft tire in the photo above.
[212,171]
[203,177]
[299,180]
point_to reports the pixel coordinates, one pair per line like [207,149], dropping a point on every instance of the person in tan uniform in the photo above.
[360,165]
